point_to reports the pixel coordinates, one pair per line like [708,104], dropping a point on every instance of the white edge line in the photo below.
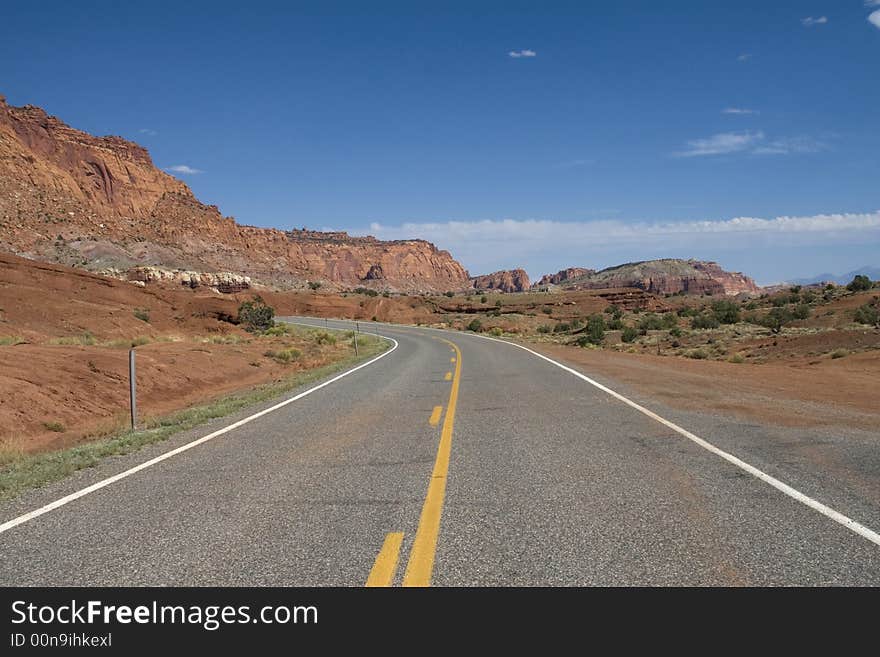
[781,486]
[6,526]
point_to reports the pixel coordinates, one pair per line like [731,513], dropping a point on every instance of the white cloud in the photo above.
[184,169]
[746,56]
[788,145]
[543,245]
[754,143]
[874,18]
[872,3]
[148,131]
[516,54]
[722,144]
[809,21]
[738,110]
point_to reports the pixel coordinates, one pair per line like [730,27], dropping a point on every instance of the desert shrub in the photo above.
[325,337]
[449,294]
[795,289]
[670,320]
[142,314]
[751,305]
[545,328]
[629,334]
[726,311]
[675,332]
[687,311]
[651,322]
[699,354]
[256,315]
[576,323]
[616,324]
[562,327]
[373,293]
[595,333]
[737,358]
[55,426]
[808,296]
[705,321]
[867,314]
[314,285]
[547,311]
[498,303]
[496,331]
[476,325]
[484,299]
[859,284]
[839,353]
[284,355]
[776,319]
[801,311]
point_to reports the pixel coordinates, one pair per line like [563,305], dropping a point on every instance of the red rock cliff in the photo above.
[69,197]
[514,280]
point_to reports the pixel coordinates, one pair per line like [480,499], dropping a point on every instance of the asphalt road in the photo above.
[534,477]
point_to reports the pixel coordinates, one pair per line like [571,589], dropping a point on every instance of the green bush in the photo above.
[476,325]
[651,322]
[57,427]
[545,328]
[675,332]
[498,303]
[859,284]
[726,311]
[808,296]
[496,331]
[284,356]
[449,294]
[314,285]
[562,327]
[547,311]
[374,293]
[629,334]
[801,311]
[616,324]
[256,315]
[698,354]
[484,299]
[142,314]
[687,311]
[867,314]
[776,319]
[595,329]
[705,321]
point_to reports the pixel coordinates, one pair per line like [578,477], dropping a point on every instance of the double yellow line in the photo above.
[421,558]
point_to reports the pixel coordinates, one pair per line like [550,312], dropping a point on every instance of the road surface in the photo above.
[456,460]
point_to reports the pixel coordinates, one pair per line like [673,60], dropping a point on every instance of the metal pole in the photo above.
[355,338]
[132,389]
[357,327]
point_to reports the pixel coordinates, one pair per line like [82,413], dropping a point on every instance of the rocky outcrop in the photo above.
[668,276]
[562,276]
[514,280]
[99,202]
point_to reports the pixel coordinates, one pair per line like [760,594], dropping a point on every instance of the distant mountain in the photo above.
[665,276]
[841,279]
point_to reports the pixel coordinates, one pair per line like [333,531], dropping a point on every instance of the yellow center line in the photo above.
[385,566]
[421,558]
[435,416]
[448,376]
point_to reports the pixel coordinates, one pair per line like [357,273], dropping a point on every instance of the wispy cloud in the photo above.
[872,3]
[746,56]
[739,110]
[722,144]
[574,163]
[788,145]
[148,131]
[751,142]
[487,245]
[874,18]
[809,21]
[184,169]
[516,54]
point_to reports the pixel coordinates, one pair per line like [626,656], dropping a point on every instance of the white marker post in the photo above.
[132,389]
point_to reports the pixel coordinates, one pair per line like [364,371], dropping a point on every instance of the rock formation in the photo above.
[514,280]
[562,276]
[667,276]
[99,202]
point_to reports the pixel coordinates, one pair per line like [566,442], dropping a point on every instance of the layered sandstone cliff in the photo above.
[667,276]
[562,276]
[100,202]
[514,280]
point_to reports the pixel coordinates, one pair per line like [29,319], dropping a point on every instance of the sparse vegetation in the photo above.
[475,325]
[705,321]
[839,353]
[595,333]
[449,294]
[57,427]
[10,340]
[860,284]
[85,339]
[314,285]
[629,334]
[698,354]
[484,299]
[726,311]
[284,355]
[867,314]
[256,315]
[142,314]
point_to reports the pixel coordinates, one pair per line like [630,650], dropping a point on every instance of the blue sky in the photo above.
[534,134]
